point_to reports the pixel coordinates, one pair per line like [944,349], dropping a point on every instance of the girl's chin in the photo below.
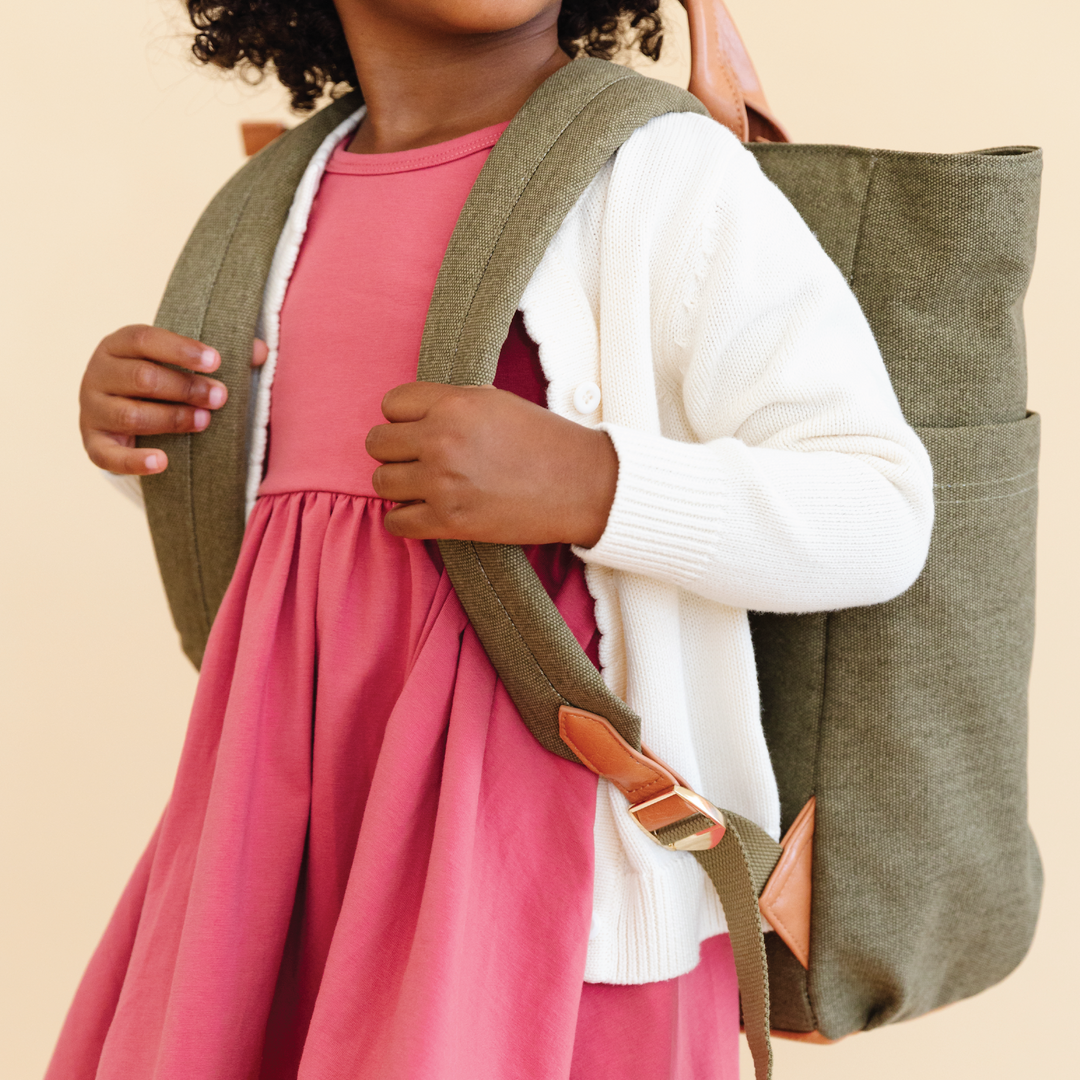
[471,16]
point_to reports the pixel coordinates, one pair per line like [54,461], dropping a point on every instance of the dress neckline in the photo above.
[423,157]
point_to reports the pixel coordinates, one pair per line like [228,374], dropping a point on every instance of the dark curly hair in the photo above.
[303,43]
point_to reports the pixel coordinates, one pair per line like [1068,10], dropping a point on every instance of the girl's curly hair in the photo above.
[302,40]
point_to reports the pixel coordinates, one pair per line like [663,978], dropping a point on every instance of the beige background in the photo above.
[113,143]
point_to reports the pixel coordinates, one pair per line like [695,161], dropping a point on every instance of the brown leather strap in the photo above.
[638,775]
[722,75]
[658,795]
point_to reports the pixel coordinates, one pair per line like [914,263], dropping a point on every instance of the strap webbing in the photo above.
[738,867]
[552,150]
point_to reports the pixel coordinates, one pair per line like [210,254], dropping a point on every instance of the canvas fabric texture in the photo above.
[196,507]
[554,147]
[906,720]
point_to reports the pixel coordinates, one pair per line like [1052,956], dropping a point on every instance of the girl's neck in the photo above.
[426,84]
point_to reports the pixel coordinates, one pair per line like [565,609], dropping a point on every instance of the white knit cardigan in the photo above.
[764,464]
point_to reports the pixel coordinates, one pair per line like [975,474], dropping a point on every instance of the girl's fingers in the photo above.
[127,391]
[413,401]
[147,379]
[401,483]
[153,343]
[415,521]
[127,416]
[394,442]
[111,452]
[259,352]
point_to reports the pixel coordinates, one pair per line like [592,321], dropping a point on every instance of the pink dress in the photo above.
[368,868]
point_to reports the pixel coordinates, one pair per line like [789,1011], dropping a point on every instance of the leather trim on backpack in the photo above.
[785,900]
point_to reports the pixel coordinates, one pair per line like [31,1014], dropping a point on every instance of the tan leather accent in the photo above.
[639,775]
[260,133]
[814,1037]
[785,900]
[601,748]
[652,757]
[669,812]
[722,75]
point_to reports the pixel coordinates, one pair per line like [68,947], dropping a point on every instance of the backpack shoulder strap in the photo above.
[196,507]
[559,140]
[554,147]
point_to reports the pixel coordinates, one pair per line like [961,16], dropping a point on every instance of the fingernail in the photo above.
[152,462]
[216,396]
[202,418]
[207,358]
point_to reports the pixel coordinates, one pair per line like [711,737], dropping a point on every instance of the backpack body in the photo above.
[905,721]
[908,720]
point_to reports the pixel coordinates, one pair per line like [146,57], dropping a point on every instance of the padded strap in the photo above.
[552,150]
[559,140]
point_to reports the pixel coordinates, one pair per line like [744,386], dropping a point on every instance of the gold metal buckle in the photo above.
[699,841]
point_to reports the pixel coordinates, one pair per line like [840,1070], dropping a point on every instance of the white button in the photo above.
[587,398]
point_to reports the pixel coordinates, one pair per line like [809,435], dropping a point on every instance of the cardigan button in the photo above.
[587,398]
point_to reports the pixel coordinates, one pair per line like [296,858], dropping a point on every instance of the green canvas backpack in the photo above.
[898,731]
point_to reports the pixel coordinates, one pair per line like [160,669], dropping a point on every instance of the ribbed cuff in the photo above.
[665,520]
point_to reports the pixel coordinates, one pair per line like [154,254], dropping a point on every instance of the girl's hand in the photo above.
[476,463]
[126,391]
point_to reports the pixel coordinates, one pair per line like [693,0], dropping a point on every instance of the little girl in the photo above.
[368,867]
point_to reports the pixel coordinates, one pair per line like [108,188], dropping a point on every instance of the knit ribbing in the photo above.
[664,521]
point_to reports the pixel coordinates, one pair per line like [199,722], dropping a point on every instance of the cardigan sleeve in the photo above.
[798,485]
